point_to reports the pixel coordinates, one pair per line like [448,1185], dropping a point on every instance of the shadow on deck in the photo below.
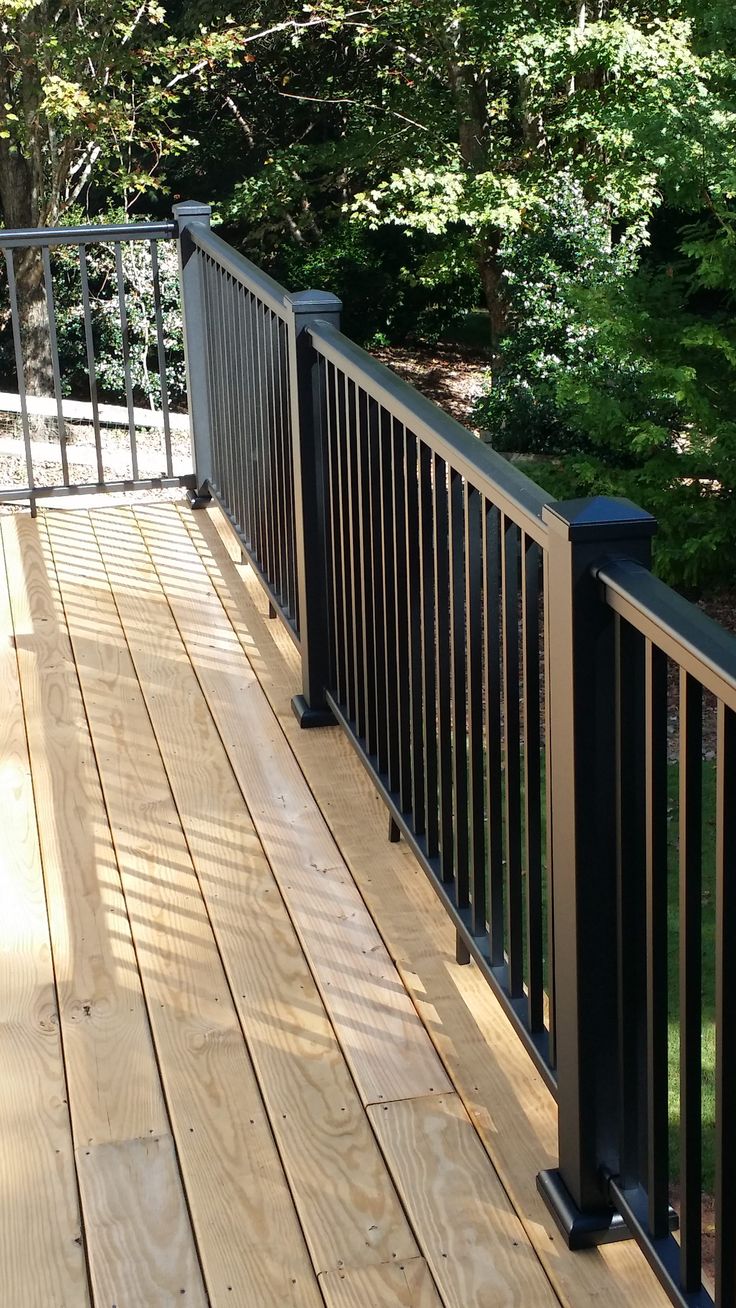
[247,1070]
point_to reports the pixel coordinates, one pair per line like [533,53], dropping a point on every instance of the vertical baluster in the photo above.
[279,468]
[345,546]
[390,665]
[494,758]
[354,538]
[474,674]
[126,358]
[531,563]
[161,355]
[91,369]
[443,665]
[19,371]
[512,756]
[429,669]
[402,624]
[366,572]
[655,760]
[335,554]
[631,882]
[238,392]
[691,889]
[378,686]
[548,865]
[725,1008]
[459,693]
[288,470]
[54,351]
[253,443]
[414,633]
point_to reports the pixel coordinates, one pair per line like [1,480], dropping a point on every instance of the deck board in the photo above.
[41,1257]
[114,1088]
[346,1200]
[248,1236]
[387,1048]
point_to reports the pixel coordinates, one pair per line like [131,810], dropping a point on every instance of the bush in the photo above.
[394,287]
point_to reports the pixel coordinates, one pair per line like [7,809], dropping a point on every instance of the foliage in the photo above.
[392,288]
[107,331]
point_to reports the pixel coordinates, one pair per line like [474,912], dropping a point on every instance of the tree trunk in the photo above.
[19,200]
[491,274]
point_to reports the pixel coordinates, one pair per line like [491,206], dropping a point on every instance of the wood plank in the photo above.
[140,1253]
[402,1285]
[114,1088]
[508,1103]
[41,1253]
[387,1049]
[473,1241]
[250,1243]
[346,1201]
[114,1084]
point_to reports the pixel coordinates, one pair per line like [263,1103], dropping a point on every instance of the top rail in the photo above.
[675,626]
[504,485]
[245,272]
[21,237]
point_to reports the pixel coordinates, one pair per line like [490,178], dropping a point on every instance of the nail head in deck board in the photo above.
[345,1198]
[41,1258]
[512,1110]
[478,1251]
[389,1053]
[393,1285]
[246,1226]
[140,1243]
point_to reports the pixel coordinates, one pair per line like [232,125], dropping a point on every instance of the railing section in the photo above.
[435,635]
[84,280]
[502,666]
[678,862]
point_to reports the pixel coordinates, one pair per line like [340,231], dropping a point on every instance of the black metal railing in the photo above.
[74,291]
[530,702]
[435,613]
[675,864]
[500,665]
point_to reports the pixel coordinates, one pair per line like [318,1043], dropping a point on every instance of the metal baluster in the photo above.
[54,350]
[512,756]
[390,665]
[366,579]
[531,563]
[494,758]
[414,633]
[725,1261]
[161,353]
[459,691]
[444,669]
[378,687]
[19,372]
[354,539]
[474,675]
[429,668]
[335,555]
[691,889]
[126,359]
[91,370]
[655,743]
[403,700]
[345,546]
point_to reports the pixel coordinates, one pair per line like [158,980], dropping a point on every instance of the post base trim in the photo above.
[199,499]
[311,717]
[580,1230]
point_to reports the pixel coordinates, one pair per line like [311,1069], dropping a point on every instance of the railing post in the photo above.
[186,215]
[310,509]
[582,759]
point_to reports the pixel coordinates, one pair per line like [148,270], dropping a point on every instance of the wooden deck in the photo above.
[238,1064]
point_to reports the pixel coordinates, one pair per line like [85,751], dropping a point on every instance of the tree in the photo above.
[91,94]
